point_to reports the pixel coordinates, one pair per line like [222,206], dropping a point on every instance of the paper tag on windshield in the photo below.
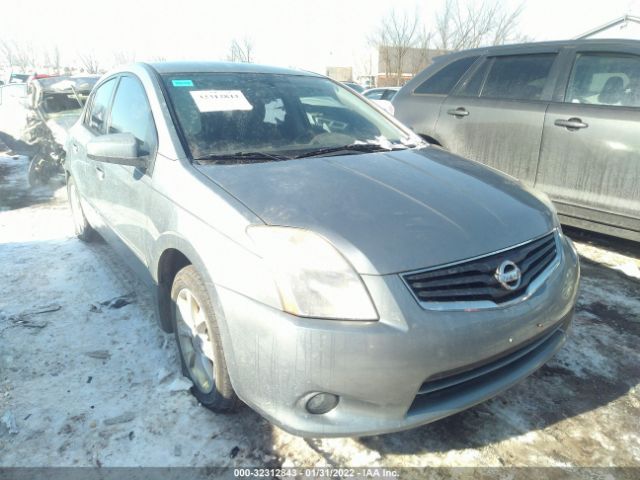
[220,100]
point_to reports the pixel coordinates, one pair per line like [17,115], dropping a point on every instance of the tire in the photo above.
[34,174]
[198,338]
[83,230]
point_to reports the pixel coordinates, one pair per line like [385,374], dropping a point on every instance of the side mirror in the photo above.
[118,148]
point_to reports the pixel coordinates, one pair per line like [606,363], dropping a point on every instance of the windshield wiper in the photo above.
[354,147]
[222,157]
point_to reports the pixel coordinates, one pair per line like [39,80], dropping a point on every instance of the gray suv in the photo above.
[314,257]
[562,117]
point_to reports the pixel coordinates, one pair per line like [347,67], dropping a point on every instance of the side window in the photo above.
[131,113]
[605,79]
[445,79]
[473,85]
[518,77]
[97,113]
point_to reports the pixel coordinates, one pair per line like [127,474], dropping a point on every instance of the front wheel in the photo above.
[198,337]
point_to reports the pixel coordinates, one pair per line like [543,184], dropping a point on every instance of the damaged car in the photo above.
[314,258]
[54,104]
[35,118]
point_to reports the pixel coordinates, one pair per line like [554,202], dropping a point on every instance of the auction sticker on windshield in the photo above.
[220,100]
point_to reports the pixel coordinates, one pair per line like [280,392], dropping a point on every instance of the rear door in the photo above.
[590,157]
[496,116]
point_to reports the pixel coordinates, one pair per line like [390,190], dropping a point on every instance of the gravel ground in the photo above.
[87,378]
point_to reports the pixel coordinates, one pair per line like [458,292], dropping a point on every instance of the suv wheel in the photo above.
[83,230]
[198,339]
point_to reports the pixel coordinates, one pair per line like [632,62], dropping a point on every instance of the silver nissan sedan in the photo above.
[315,258]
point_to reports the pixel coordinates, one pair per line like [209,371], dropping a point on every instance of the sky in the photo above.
[307,34]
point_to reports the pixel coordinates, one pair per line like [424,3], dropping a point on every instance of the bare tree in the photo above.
[89,62]
[25,56]
[124,57]
[51,59]
[241,50]
[397,35]
[7,50]
[476,23]
[423,54]
[55,59]
[21,55]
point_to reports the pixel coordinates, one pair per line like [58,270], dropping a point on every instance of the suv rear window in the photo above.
[518,77]
[445,79]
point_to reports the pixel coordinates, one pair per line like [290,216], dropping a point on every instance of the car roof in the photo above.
[224,67]
[538,45]
[66,82]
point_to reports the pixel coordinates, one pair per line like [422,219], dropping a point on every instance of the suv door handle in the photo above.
[572,124]
[458,112]
[99,173]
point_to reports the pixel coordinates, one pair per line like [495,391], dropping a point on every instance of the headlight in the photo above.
[313,278]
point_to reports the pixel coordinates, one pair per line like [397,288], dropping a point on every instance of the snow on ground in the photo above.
[85,383]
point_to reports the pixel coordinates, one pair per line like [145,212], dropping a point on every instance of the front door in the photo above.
[127,188]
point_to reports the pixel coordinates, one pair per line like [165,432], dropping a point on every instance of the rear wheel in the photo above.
[82,228]
[198,339]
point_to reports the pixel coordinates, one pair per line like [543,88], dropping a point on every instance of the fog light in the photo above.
[322,403]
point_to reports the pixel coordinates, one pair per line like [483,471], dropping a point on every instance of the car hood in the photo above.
[391,212]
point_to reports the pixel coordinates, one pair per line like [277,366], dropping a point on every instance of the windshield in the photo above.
[288,115]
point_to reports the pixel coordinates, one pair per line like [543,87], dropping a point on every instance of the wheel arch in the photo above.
[174,252]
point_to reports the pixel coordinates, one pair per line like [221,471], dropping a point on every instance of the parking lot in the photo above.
[88,379]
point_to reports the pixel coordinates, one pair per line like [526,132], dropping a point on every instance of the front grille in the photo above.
[475,280]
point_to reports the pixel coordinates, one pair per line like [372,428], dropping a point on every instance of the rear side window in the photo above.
[518,77]
[131,113]
[445,79]
[97,115]
[605,79]
[473,86]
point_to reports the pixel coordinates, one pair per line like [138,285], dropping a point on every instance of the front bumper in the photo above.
[384,372]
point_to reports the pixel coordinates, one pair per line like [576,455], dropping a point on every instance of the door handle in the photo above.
[74,147]
[572,124]
[99,173]
[458,112]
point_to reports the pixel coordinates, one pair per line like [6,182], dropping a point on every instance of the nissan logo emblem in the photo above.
[508,275]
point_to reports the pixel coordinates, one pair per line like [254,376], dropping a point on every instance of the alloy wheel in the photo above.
[195,343]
